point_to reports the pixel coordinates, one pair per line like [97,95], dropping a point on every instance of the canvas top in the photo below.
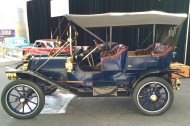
[126,19]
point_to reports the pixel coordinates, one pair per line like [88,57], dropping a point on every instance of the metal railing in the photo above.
[10,51]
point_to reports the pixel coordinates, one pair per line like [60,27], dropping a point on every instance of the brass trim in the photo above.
[12,76]
[177,83]
[69,64]
[71,81]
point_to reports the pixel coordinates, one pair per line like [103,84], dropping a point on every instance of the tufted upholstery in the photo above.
[158,49]
[114,59]
[146,51]
[117,50]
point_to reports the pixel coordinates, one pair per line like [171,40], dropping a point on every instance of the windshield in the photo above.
[167,34]
[50,44]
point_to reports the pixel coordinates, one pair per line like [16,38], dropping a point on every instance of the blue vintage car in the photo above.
[144,75]
[16,42]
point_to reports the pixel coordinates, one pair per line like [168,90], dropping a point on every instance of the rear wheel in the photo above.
[153,96]
[22,99]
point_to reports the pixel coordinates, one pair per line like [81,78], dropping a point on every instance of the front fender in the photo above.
[30,75]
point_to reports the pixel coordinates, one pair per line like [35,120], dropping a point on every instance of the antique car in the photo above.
[44,46]
[144,75]
[13,42]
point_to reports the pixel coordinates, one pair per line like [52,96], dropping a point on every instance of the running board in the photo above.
[106,91]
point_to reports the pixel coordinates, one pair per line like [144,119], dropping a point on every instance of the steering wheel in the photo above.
[78,53]
[97,45]
[89,56]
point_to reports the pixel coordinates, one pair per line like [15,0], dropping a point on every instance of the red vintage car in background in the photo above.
[45,46]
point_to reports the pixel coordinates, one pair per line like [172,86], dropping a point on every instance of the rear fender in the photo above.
[148,73]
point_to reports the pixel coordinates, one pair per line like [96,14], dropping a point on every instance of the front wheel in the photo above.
[153,96]
[22,99]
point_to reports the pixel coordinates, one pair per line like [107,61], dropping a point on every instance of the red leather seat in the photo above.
[162,49]
[157,49]
[117,50]
[114,59]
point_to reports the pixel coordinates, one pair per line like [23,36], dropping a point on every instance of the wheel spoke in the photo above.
[145,102]
[25,90]
[14,95]
[32,96]
[163,98]
[159,88]
[29,92]
[22,108]
[17,106]
[143,97]
[29,106]
[151,90]
[14,101]
[147,88]
[163,93]
[144,91]
[149,103]
[32,102]
[18,91]
[155,87]
[154,105]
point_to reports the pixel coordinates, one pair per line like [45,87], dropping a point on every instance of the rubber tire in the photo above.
[142,83]
[31,84]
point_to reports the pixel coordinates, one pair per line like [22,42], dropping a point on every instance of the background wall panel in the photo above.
[13,16]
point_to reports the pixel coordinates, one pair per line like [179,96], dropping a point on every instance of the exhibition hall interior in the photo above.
[94,62]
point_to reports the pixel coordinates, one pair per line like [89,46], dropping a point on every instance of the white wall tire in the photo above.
[17,95]
[153,96]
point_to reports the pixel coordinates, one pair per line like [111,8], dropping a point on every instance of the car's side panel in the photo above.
[47,63]
[114,62]
[145,62]
[136,63]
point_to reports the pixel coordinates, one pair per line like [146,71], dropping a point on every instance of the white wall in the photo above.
[13,15]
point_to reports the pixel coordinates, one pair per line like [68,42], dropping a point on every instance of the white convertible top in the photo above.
[126,19]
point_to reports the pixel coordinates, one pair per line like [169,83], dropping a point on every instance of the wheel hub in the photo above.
[153,97]
[22,100]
